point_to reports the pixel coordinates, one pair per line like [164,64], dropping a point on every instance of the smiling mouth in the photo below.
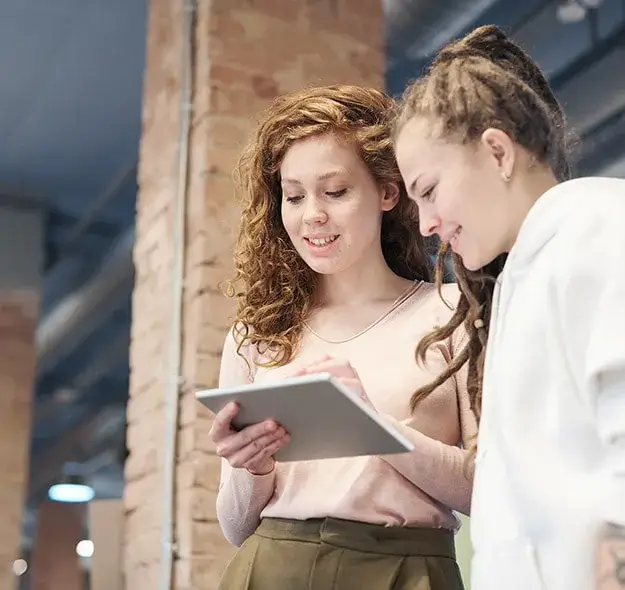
[320,242]
[453,240]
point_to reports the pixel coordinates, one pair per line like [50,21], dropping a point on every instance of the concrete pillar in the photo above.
[55,564]
[20,262]
[245,52]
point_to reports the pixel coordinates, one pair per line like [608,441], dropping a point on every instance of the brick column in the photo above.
[20,244]
[245,52]
[18,319]
[56,565]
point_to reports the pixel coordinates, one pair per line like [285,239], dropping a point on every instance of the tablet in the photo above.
[326,420]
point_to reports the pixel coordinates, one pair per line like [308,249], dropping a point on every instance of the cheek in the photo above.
[450,206]
[289,219]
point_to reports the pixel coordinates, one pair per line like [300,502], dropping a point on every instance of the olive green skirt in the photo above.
[331,554]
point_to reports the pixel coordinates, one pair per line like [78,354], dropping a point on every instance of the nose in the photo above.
[429,222]
[314,212]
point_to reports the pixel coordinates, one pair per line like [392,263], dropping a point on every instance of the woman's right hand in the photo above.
[253,447]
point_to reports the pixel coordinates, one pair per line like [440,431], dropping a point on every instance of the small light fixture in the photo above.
[85,548]
[19,567]
[570,12]
[72,489]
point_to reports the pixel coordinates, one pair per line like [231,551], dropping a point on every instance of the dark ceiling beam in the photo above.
[67,416]
[90,217]
[589,59]
[74,446]
[108,358]
[402,67]
[47,466]
[604,146]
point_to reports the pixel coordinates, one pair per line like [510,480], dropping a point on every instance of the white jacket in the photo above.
[551,453]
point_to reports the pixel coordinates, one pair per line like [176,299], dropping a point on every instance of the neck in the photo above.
[364,282]
[530,189]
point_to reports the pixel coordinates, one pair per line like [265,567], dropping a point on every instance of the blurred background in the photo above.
[71,122]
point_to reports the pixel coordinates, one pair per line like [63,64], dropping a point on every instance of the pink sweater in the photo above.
[421,488]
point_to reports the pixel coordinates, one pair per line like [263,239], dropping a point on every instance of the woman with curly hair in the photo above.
[332,276]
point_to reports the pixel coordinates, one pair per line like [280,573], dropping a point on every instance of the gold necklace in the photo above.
[413,288]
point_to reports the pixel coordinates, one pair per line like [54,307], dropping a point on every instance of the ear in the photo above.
[390,196]
[500,147]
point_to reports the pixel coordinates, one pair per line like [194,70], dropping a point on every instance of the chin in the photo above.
[476,263]
[327,266]
[322,269]
[472,264]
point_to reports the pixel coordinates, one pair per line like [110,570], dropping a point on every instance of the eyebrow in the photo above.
[324,176]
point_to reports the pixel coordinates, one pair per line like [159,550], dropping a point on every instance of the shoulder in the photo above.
[592,238]
[593,205]
[238,357]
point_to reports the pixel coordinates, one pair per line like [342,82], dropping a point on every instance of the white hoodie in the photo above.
[551,453]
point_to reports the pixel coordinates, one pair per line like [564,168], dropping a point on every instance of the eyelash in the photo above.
[427,195]
[331,194]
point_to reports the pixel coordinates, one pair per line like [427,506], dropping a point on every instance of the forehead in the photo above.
[417,138]
[312,154]
[419,148]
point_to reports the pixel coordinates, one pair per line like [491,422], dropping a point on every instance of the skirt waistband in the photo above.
[359,536]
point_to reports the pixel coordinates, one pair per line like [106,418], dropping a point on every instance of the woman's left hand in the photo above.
[341,370]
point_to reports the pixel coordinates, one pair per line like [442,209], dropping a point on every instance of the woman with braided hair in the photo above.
[481,144]
[332,276]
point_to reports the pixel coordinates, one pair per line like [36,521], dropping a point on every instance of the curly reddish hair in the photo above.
[273,287]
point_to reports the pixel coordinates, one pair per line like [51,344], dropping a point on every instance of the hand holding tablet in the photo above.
[251,448]
[324,418]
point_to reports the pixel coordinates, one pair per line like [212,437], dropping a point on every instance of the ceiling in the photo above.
[70,115]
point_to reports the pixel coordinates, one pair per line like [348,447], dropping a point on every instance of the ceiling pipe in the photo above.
[74,318]
[418,28]
[114,354]
[90,217]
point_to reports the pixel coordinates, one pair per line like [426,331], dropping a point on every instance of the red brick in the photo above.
[55,563]
[18,320]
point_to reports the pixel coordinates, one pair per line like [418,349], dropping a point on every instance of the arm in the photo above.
[442,471]
[242,496]
[590,287]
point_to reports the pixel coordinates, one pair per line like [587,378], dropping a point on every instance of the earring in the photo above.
[506,177]
[479,323]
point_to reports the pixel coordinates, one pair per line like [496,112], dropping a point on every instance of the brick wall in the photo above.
[18,320]
[246,53]
[55,564]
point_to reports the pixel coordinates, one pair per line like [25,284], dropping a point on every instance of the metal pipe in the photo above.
[417,29]
[592,57]
[115,353]
[89,217]
[71,320]
[173,366]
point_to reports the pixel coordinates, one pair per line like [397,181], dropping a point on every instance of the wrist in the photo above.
[259,472]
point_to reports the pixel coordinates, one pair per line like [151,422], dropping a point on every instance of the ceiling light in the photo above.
[71,489]
[570,12]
